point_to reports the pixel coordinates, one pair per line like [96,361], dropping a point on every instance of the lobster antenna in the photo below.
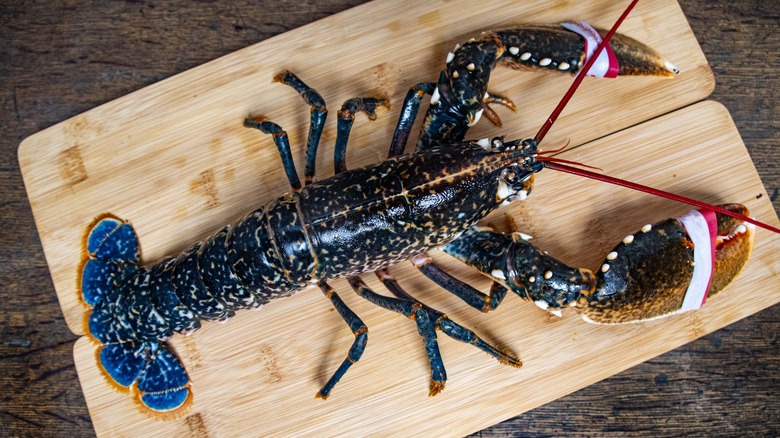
[551,163]
[558,164]
[580,76]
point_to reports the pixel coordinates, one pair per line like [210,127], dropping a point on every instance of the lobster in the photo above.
[388,212]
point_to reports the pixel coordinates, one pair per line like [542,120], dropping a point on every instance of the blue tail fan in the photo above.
[129,315]
[98,278]
[123,362]
[113,239]
[112,254]
[164,385]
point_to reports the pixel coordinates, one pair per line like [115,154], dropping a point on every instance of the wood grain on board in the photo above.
[174,160]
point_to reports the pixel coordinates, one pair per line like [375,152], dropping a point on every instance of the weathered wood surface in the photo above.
[65,61]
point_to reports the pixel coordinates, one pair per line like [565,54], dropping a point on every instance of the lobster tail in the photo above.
[123,301]
[133,310]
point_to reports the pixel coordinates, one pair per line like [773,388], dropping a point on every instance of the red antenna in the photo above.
[559,164]
[552,163]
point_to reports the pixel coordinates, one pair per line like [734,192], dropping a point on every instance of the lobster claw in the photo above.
[521,267]
[649,275]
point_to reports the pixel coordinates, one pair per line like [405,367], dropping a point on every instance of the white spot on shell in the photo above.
[498,274]
[605,267]
[542,304]
[563,66]
[525,56]
[450,57]
[741,229]
[557,313]
[514,50]
[545,62]
[612,255]
[628,239]
[532,279]
[548,275]
[471,67]
[455,74]
[457,46]
[484,142]
[647,228]
[523,236]
[504,191]
[435,96]
[477,116]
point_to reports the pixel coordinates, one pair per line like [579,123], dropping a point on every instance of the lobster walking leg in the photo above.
[282,143]
[464,291]
[316,124]
[412,310]
[358,328]
[409,111]
[318,115]
[347,113]
[448,326]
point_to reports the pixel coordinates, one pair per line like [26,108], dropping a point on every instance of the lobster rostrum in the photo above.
[385,213]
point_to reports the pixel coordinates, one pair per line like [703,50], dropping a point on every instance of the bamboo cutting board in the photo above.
[174,160]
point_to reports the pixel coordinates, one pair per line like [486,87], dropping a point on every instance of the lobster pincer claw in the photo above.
[522,268]
[669,268]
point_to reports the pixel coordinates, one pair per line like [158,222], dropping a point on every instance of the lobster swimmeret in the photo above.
[386,213]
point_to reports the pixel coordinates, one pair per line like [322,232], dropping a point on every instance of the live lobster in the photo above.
[389,212]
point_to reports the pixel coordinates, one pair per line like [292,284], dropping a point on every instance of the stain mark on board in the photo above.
[394,26]
[431,19]
[196,426]
[191,353]
[270,364]
[72,169]
[206,186]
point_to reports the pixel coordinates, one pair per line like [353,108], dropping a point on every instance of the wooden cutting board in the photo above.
[174,159]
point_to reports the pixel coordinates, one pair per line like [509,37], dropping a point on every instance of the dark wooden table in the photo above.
[58,59]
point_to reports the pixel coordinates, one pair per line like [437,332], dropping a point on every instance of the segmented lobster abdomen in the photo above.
[270,251]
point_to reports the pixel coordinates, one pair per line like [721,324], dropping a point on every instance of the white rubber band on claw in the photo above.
[606,64]
[702,228]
